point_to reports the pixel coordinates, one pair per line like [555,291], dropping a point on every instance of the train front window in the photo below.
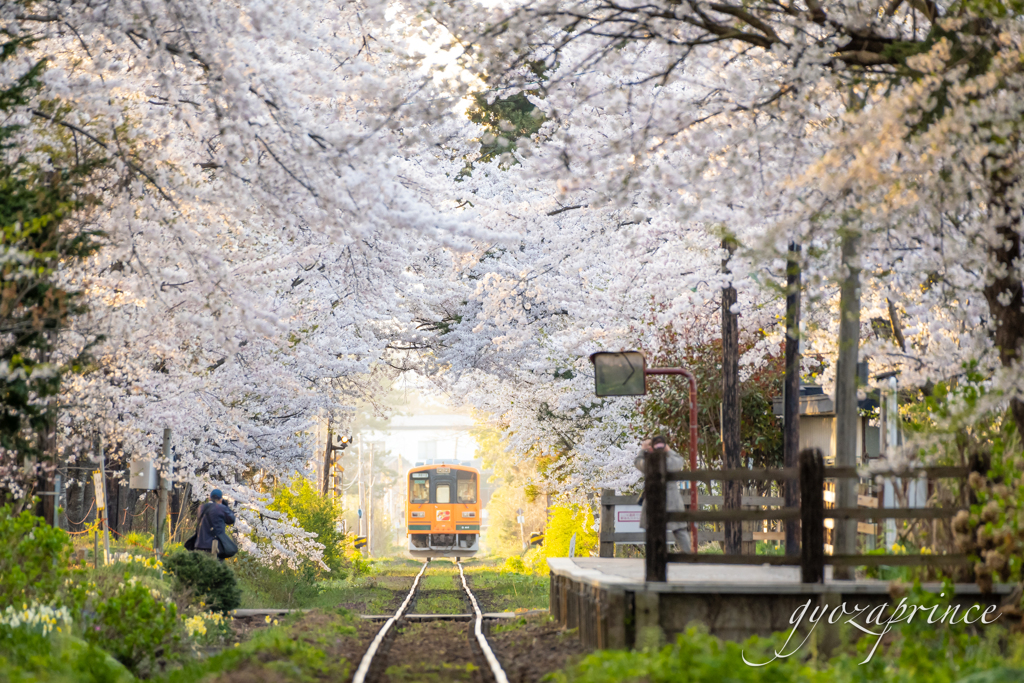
[419,489]
[442,494]
[467,487]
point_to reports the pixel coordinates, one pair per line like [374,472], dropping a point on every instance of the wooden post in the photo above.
[607,534]
[791,393]
[161,499]
[845,531]
[105,518]
[731,446]
[656,555]
[812,516]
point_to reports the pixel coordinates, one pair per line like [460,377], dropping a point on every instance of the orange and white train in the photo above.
[443,515]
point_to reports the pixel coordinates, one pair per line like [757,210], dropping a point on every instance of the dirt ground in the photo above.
[531,647]
[430,652]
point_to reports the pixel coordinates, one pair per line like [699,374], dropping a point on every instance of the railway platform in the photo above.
[612,606]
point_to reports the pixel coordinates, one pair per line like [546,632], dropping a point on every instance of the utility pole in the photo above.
[791,394]
[731,403]
[362,503]
[369,507]
[327,457]
[845,531]
[165,489]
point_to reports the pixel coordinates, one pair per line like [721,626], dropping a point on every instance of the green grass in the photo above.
[508,591]
[287,652]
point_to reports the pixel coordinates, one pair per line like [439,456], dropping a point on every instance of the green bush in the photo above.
[566,520]
[34,559]
[211,581]
[319,515]
[134,623]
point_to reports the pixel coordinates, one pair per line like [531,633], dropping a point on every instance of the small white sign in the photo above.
[101,494]
[627,519]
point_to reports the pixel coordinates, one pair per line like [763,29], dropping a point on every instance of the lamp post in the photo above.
[625,374]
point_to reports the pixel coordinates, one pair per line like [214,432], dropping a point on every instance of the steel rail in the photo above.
[492,661]
[364,665]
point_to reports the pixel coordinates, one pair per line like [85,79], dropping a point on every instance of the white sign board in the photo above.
[101,494]
[627,519]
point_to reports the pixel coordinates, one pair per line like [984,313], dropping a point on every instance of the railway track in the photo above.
[374,662]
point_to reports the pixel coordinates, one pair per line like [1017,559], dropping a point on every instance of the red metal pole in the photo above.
[693,437]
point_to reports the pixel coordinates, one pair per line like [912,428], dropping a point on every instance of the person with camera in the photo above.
[213,520]
[673,493]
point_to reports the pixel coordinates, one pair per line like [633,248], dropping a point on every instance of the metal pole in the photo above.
[693,437]
[57,484]
[161,501]
[369,507]
[103,479]
[362,506]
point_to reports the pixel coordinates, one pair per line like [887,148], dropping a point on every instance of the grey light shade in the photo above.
[143,475]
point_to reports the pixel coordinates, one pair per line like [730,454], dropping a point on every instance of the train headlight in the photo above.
[417,515]
[469,513]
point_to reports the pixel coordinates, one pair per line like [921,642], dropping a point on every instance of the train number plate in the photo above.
[444,515]
[443,470]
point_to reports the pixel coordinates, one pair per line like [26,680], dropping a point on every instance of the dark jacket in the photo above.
[217,516]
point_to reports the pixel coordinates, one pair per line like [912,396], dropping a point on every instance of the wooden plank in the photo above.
[620,500]
[891,513]
[741,474]
[733,515]
[690,558]
[640,537]
[744,500]
[931,472]
[899,560]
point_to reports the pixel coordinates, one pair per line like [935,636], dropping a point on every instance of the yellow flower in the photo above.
[267,619]
[275,622]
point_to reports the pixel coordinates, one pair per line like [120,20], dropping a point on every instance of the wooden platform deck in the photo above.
[611,605]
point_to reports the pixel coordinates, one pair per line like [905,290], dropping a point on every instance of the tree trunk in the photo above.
[1005,294]
[731,447]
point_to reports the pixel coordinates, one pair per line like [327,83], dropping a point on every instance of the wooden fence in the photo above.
[812,513]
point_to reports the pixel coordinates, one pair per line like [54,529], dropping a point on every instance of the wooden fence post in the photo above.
[656,555]
[607,534]
[812,516]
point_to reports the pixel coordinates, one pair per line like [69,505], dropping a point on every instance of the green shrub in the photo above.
[566,520]
[515,565]
[210,581]
[134,623]
[319,515]
[34,559]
